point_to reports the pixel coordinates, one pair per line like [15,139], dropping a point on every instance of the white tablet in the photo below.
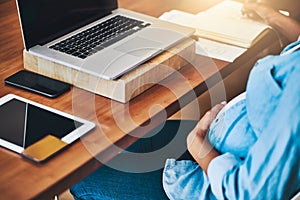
[25,123]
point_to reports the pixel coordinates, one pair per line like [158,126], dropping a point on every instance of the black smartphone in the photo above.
[37,83]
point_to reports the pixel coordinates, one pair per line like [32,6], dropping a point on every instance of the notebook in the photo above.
[36,131]
[94,36]
[223,22]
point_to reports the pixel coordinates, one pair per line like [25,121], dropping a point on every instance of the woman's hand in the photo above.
[260,11]
[197,142]
[286,26]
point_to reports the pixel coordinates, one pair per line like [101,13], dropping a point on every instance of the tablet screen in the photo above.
[24,122]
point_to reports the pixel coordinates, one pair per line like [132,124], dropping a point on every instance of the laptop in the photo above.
[94,36]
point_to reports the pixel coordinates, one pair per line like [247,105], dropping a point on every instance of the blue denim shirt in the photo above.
[264,127]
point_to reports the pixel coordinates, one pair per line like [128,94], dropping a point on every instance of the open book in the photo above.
[223,22]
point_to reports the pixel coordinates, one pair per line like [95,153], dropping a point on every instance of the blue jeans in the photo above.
[108,183]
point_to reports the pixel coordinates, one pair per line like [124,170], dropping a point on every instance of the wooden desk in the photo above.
[21,179]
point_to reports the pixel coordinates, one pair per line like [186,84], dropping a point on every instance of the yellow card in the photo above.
[44,148]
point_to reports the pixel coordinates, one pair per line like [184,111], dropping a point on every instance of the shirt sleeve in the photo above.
[217,170]
[271,169]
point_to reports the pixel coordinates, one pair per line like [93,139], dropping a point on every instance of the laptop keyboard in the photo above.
[100,36]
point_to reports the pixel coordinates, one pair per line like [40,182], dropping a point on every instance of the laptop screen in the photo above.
[45,20]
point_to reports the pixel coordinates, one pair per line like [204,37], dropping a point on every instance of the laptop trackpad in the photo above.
[139,46]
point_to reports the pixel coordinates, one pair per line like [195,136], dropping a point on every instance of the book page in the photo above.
[218,50]
[226,29]
[223,22]
[179,17]
[226,22]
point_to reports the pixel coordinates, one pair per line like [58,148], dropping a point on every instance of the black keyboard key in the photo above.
[82,56]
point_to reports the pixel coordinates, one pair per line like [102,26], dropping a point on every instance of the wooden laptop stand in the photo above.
[126,87]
